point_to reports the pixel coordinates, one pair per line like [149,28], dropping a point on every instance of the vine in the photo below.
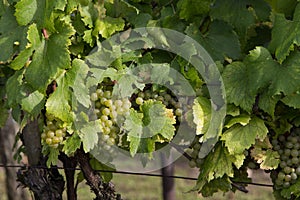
[76,100]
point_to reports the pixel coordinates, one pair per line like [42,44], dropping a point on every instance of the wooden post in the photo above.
[168,184]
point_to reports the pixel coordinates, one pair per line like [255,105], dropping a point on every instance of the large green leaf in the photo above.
[50,57]
[241,19]
[10,32]
[239,137]
[285,34]
[259,73]
[39,11]
[220,41]
[190,9]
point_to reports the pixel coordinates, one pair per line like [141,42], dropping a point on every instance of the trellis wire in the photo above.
[129,173]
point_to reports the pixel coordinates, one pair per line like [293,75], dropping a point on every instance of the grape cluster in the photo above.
[111,113]
[54,132]
[168,100]
[288,148]
[193,151]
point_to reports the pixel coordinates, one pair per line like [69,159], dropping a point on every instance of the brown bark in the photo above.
[7,139]
[102,190]
[46,184]
[69,164]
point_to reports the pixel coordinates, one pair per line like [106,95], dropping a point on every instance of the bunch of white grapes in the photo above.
[111,112]
[54,132]
[167,99]
[288,148]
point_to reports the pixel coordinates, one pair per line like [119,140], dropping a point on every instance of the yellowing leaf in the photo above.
[238,137]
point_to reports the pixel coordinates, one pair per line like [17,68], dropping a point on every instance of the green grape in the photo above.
[295,160]
[279,182]
[178,112]
[50,134]
[99,93]
[98,104]
[94,96]
[108,103]
[294,176]
[108,123]
[287,152]
[281,138]
[105,111]
[298,171]
[59,133]
[118,103]
[107,94]
[55,140]
[283,164]
[44,136]
[139,101]
[281,176]
[48,141]
[287,170]
[141,94]
[104,118]
[289,145]
[286,184]
[288,178]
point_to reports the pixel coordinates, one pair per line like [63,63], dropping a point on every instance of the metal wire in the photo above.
[129,173]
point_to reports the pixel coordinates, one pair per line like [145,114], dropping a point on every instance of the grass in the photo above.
[133,187]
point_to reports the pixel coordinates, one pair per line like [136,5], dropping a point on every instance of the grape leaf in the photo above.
[268,159]
[52,157]
[285,35]
[71,144]
[143,128]
[33,37]
[39,11]
[134,125]
[89,135]
[189,9]
[241,19]
[15,81]
[50,57]
[25,11]
[157,120]
[10,32]
[33,103]
[286,7]
[220,184]
[287,75]
[108,26]
[238,137]
[217,164]
[292,100]
[77,76]
[58,102]
[242,119]
[201,114]
[243,80]
[220,41]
